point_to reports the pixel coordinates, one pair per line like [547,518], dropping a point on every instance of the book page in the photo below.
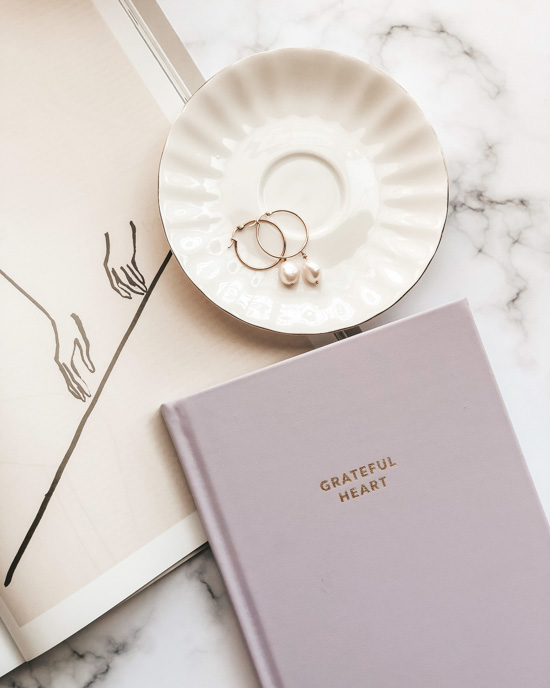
[10,656]
[99,327]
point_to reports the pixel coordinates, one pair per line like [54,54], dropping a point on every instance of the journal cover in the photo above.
[372,514]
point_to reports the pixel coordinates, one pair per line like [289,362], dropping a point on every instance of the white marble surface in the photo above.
[480,71]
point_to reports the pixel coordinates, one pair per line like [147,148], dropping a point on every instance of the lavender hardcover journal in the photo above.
[372,514]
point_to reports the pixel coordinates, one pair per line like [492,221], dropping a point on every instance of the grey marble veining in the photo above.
[480,73]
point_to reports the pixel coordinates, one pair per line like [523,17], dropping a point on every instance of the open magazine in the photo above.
[99,323]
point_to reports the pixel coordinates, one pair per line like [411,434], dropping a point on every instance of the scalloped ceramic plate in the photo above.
[324,135]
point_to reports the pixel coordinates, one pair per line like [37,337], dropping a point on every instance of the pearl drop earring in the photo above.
[288,272]
[310,270]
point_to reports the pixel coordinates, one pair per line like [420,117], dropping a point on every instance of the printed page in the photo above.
[99,327]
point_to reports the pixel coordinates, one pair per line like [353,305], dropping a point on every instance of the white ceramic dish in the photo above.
[324,135]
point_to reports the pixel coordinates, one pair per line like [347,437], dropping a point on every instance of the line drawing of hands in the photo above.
[70,340]
[121,267]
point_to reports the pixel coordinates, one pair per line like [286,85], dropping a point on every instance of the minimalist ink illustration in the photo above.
[125,279]
[70,342]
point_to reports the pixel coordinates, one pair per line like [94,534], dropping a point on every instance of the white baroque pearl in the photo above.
[288,273]
[311,271]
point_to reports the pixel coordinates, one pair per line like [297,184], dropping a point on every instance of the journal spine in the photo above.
[180,427]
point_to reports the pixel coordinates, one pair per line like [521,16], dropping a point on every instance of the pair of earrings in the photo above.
[289,274]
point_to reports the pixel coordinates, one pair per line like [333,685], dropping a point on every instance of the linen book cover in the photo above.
[372,514]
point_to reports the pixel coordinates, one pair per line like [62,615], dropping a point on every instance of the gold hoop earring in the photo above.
[255,223]
[288,272]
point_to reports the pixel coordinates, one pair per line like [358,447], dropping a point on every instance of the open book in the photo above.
[99,323]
